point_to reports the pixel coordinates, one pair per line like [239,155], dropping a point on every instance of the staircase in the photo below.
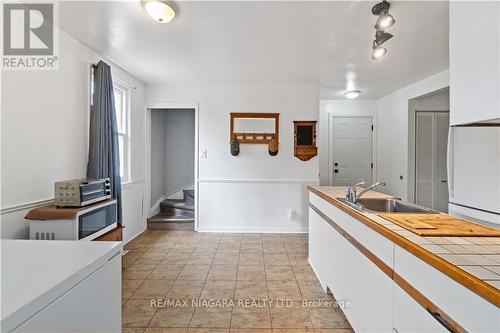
[177,214]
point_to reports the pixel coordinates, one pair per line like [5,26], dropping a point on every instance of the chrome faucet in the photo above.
[351,192]
[368,189]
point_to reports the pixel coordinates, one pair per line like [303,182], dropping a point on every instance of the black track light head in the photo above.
[381,37]
[385,19]
[381,8]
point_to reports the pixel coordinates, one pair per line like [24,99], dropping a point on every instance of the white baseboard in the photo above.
[259,230]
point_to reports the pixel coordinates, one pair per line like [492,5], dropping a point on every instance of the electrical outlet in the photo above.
[291,215]
[204,154]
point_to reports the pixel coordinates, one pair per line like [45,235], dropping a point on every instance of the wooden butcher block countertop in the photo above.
[473,261]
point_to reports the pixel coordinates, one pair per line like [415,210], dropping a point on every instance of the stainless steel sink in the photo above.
[386,205]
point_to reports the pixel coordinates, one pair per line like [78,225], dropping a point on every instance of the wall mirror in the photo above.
[254,125]
[305,140]
[254,128]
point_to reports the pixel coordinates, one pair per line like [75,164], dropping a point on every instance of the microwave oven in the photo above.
[84,223]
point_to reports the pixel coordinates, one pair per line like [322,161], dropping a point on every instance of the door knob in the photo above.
[335,164]
[336,171]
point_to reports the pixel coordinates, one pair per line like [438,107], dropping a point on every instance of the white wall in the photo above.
[253,191]
[438,101]
[392,132]
[44,129]
[179,136]
[158,156]
[338,108]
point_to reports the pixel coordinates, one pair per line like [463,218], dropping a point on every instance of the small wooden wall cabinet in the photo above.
[305,140]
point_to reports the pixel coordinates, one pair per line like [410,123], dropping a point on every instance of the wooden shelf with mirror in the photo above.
[254,128]
[305,140]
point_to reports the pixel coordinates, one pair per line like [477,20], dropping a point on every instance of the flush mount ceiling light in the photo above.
[352,94]
[385,19]
[159,11]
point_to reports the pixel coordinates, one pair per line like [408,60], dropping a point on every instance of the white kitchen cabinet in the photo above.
[321,248]
[93,305]
[60,286]
[379,245]
[461,304]
[474,62]
[351,277]
[411,317]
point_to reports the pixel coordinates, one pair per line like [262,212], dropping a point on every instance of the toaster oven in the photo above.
[81,192]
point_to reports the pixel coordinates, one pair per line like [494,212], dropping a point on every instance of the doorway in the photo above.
[428,126]
[172,172]
[431,140]
[351,142]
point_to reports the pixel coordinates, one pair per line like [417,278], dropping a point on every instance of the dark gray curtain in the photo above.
[104,156]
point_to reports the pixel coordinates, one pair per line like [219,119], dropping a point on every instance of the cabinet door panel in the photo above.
[365,286]
[411,317]
[352,278]
[474,61]
[320,248]
[458,302]
[93,305]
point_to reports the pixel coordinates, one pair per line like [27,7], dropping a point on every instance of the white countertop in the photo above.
[35,273]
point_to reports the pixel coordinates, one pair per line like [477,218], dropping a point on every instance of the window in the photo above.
[122,120]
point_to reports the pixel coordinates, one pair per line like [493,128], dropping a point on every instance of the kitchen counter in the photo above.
[396,280]
[37,273]
[473,262]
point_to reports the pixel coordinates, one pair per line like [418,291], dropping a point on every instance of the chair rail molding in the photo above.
[26,205]
[258,181]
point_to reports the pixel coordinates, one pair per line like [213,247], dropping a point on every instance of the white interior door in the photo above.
[431,188]
[351,152]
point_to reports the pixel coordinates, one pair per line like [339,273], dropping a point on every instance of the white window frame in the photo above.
[125,163]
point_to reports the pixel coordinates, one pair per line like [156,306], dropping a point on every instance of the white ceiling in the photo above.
[324,43]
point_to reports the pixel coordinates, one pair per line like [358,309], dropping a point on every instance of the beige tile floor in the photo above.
[183,265]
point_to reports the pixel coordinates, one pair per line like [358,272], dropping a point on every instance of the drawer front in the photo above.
[377,244]
[462,305]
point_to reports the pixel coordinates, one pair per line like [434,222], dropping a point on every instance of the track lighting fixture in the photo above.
[385,19]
